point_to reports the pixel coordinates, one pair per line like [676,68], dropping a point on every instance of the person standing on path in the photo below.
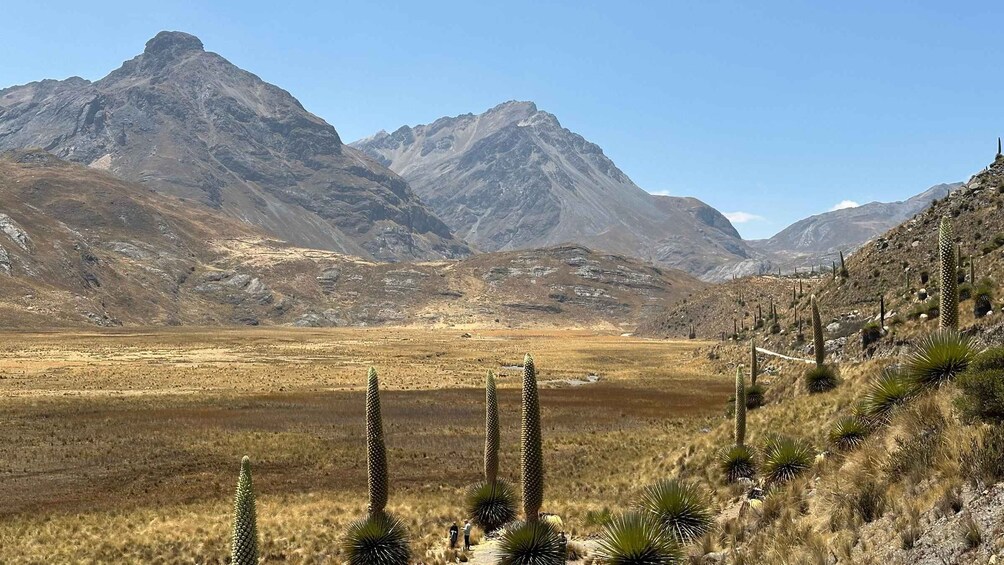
[467,535]
[454,533]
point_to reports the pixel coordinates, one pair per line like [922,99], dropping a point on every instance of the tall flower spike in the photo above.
[948,310]
[740,431]
[817,333]
[376,452]
[531,458]
[491,430]
[244,545]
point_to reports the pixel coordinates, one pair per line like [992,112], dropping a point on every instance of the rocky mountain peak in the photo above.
[172,43]
[189,123]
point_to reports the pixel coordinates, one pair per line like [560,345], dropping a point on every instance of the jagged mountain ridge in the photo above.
[81,247]
[188,123]
[514,178]
[818,238]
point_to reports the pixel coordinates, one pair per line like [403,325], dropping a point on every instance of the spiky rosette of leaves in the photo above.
[491,429]
[738,462]
[821,378]
[681,509]
[739,434]
[637,539]
[531,456]
[491,505]
[849,433]
[755,396]
[948,310]
[891,389]
[376,452]
[785,458]
[377,540]
[940,357]
[817,333]
[244,545]
[531,543]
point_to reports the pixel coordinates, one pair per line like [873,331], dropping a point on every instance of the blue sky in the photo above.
[775,110]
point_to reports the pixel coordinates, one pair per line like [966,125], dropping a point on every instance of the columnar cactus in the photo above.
[817,333]
[843,266]
[948,311]
[972,271]
[531,458]
[740,430]
[491,430]
[376,452]
[881,312]
[754,366]
[244,546]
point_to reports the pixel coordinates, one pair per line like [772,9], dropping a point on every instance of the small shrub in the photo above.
[921,441]
[972,535]
[681,508]
[785,458]
[377,540]
[939,358]
[870,334]
[869,501]
[983,298]
[531,543]
[849,433]
[893,388]
[982,388]
[738,462]
[637,539]
[491,505]
[821,378]
[983,464]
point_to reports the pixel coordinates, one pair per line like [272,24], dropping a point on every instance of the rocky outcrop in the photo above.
[188,123]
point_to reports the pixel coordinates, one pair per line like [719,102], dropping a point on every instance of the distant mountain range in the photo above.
[221,143]
[818,239]
[514,178]
[188,123]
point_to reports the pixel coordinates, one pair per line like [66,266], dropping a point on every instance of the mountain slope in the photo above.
[79,247]
[818,239]
[188,123]
[513,178]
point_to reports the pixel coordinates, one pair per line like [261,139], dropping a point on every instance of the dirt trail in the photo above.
[776,354]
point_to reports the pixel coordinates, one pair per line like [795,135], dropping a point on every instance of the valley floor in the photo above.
[124,445]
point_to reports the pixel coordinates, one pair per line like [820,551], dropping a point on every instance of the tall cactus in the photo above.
[376,452]
[754,366]
[740,430]
[244,545]
[817,332]
[843,266]
[491,430]
[948,310]
[531,458]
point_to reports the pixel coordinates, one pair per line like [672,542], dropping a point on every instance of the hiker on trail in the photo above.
[454,532]
[467,535]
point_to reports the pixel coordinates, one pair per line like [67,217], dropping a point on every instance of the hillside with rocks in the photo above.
[514,178]
[188,123]
[818,240]
[79,246]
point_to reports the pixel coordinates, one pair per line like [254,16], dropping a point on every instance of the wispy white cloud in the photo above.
[663,192]
[743,217]
[844,204]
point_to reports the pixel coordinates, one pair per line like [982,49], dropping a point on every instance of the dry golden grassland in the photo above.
[124,446]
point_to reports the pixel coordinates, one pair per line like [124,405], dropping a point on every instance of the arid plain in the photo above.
[140,432]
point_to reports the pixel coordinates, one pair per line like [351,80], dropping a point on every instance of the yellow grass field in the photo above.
[124,446]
